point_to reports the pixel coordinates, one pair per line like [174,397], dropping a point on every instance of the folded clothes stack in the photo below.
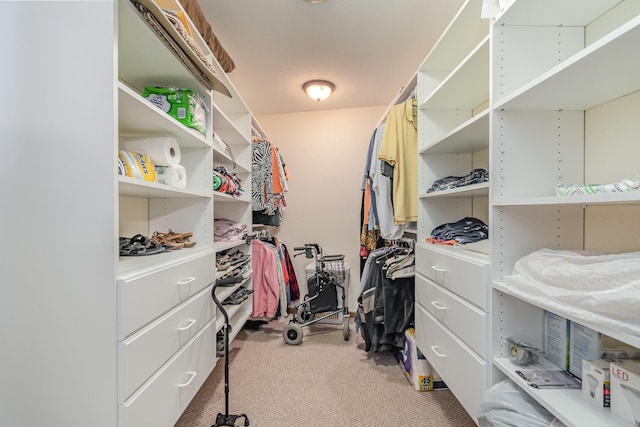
[226,230]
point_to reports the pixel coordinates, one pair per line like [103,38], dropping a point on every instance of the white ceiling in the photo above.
[368,48]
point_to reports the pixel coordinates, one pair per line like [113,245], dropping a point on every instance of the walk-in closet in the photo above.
[320,212]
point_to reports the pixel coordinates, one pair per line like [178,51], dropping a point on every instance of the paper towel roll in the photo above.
[175,176]
[163,151]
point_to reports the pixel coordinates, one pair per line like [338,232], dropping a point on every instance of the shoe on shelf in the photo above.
[222,262]
[182,238]
[167,241]
[139,245]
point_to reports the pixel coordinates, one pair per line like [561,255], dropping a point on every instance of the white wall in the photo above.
[324,153]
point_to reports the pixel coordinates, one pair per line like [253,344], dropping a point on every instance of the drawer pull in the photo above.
[437,305]
[192,375]
[434,349]
[189,325]
[438,268]
[186,282]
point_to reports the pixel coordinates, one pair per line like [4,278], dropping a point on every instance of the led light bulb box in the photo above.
[584,345]
[556,339]
[416,367]
[625,390]
[596,381]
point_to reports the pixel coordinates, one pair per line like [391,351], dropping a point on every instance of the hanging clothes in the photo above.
[387,297]
[269,183]
[266,286]
[262,198]
[382,187]
[399,148]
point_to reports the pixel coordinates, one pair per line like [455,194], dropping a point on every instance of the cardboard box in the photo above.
[416,367]
[625,390]
[556,339]
[596,382]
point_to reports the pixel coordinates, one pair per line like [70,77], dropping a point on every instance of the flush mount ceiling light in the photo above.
[318,90]
[315,1]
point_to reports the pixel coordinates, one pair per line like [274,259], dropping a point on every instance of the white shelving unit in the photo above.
[97,338]
[545,93]
[564,106]
[452,284]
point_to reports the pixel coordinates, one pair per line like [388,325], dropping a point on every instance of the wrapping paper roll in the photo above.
[175,176]
[163,151]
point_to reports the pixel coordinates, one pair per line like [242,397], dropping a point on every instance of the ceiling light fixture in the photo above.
[315,1]
[318,90]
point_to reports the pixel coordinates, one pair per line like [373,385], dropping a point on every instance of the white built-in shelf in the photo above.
[138,117]
[470,137]
[130,266]
[457,251]
[220,158]
[568,405]
[463,33]
[468,84]
[223,197]
[628,197]
[238,315]
[481,189]
[143,60]
[223,292]
[578,82]
[141,188]
[222,246]
[619,335]
[225,128]
[552,13]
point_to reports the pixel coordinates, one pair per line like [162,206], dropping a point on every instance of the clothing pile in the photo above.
[226,182]
[476,176]
[226,230]
[466,230]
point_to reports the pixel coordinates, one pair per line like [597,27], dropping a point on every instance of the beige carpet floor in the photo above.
[324,381]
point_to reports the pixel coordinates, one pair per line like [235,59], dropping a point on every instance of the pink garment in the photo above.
[266,289]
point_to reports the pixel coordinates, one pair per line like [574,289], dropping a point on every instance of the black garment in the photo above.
[474,177]
[387,308]
[467,230]
[260,217]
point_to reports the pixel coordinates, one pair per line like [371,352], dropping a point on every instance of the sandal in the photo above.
[139,245]
[182,238]
[167,241]
[222,262]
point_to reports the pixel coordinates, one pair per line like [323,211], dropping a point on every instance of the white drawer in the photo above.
[465,277]
[464,373]
[466,321]
[161,401]
[148,295]
[140,355]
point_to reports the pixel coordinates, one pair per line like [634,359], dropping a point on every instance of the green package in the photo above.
[184,105]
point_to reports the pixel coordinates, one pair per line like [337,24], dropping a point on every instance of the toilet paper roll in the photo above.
[163,151]
[175,176]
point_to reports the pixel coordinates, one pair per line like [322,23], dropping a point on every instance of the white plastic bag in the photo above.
[506,405]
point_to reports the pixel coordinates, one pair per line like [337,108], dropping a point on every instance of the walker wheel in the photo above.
[346,331]
[304,313]
[292,334]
